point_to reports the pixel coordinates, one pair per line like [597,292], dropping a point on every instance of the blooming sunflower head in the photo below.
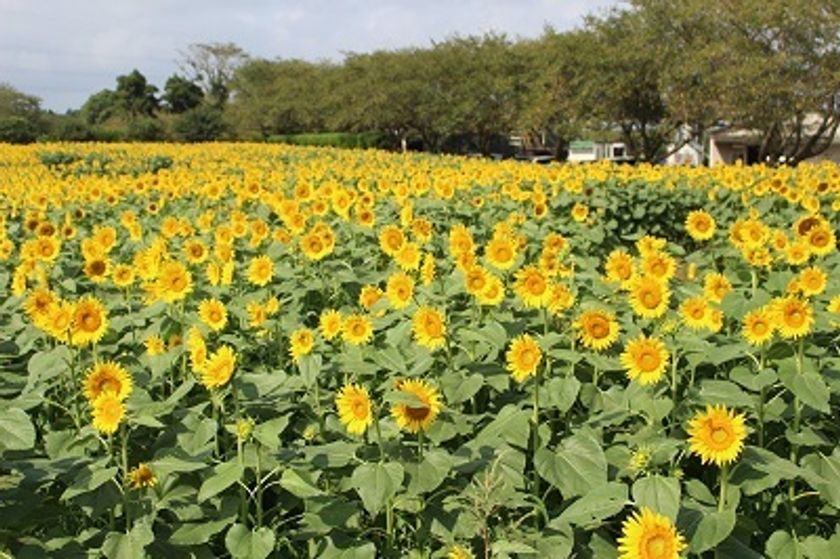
[700,225]
[648,535]
[218,368]
[357,329]
[794,317]
[597,329]
[429,327]
[329,324]
[758,326]
[645,359]
[501,252]
[108,412]
[260,271]
[523,357]
[649,297]
[355,410]
[301,343]
[532,286]
[90,321]
[419,414]
[213,313]
[107,376]
[717,435]
[142,476]
[399,290]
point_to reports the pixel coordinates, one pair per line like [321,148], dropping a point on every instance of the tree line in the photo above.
[654,74]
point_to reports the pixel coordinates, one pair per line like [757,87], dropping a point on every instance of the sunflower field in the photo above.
[254,351]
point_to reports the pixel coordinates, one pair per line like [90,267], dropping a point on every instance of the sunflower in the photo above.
[39,303]
[174,282]
[357,329]
[700,225]
[459,552]
[219,367]
[329,324]
[460,240]
[108,413]
[97,269]
[822,240]
[523,357]
[429,327]
[694,312]
[59,320]
[107,376]
[408,257]
[90,321]
[659,266]
[834,305]
[560,299]
[649,297]
[580,212]
[758,326]
[428,269]
[597,329]
[399,290]
[619,267]
[260,271]
[123,275]
[501,252]
[417,416]
[154,345]
[369,296]
[532,287]
[391,239]
[717,435]
[213,313]
[493,291]
[301,343]
[195,251]
[645,359]
[716,286]
[142,476]
[475,278]
[794,317]
[355,410]
[648,535]
[812,281]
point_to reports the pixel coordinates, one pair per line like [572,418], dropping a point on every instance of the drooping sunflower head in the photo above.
[645,359]
[429,327]
[648,535]
[717,435]
[355,410]
[421,413]
[107,376]
[597,329]
[213,313]
[523,357]
[142,476]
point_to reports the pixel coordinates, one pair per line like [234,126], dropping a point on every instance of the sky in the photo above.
[63,51]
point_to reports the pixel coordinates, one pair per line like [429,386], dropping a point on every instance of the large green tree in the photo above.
[212,66]
[135,96]
[20,115]
[181,94]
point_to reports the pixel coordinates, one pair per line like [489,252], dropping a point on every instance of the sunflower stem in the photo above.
[379,438]
[675,359]
[536,432]
[124,455]
[74,388]
[724,480]
[761,397]
[420,441]
[240,457]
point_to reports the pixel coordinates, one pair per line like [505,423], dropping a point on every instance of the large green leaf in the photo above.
[223,476]
[297,485]
[578,466]
[713,528]
[243,543]
[660,494]
[808,386]
[597,505]
[376,484]
[16,430]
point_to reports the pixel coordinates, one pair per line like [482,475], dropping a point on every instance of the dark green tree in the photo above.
[135,96]
[180,94]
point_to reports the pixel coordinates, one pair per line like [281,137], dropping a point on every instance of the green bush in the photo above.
[146,130]
[201,124]
[362,140]
[17,130]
